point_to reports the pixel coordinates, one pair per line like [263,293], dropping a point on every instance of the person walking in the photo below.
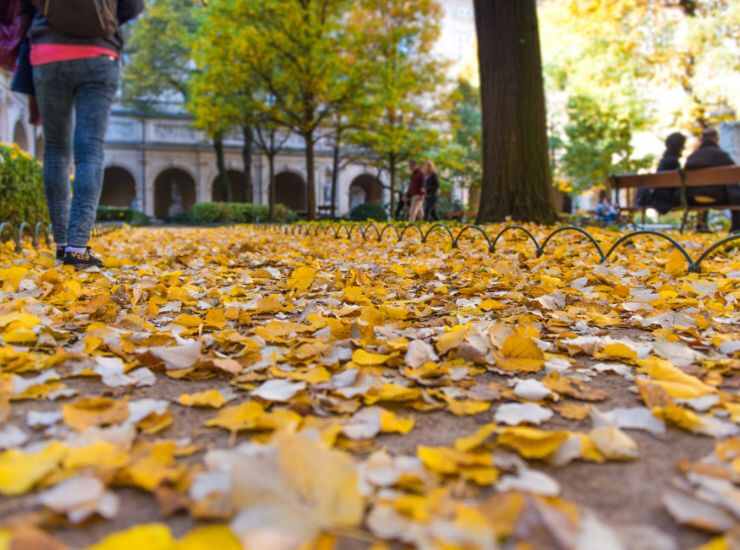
[75,54]
[431,189]
[415,193]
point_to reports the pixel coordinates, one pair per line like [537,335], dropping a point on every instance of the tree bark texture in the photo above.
[516,168]
[247,161]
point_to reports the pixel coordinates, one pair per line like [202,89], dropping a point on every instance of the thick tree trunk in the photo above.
[516,170]
[271,185]
[247,161]
[335,175]
[310,175]
[223,178]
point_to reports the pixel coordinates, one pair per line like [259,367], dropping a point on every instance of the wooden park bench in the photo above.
[679,179]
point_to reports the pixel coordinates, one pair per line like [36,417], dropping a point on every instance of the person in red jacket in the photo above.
[416,192]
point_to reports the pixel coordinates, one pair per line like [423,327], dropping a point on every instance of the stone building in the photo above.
[162,166]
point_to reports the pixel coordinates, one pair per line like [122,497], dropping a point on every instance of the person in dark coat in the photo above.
[431,187]
[710,155]
[663,200]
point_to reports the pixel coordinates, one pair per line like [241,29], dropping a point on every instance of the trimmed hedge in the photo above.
[206,213]
[369,211]
[22,195]
[118,214]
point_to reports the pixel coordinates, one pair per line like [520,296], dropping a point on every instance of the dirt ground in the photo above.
[623,494]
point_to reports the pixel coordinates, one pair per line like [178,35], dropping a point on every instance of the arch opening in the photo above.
[365,189]
[241,191]
[119,188]
[174,193]
[290,190]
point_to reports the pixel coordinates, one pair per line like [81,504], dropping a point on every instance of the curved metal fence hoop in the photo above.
[410,227]
[515,228]
[630,236]
[23,228]
[479,229]
[569,228]
[367,229]
[696,266]
[388,227]
[438,227]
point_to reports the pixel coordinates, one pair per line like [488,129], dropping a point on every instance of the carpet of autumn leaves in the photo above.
[240,388]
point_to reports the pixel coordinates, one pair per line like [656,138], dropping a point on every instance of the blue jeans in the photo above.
[82,91]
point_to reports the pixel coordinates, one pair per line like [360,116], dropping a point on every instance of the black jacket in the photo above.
[42,33]
[669,162]
[663,199]
[431,184]
[708,155]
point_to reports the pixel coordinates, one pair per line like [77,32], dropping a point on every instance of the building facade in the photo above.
[162,166]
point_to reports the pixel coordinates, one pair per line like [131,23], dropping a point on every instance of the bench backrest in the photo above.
[722,175]
[661,179]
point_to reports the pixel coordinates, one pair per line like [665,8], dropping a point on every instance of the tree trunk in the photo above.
[335,174]
[310,176]
[516,168]
[247,161]
[271,185]
[392,176]
[223,178]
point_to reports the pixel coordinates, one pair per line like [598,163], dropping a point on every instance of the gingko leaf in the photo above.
[183,356]
[301,279]
[152,536]
[419,353]
[209,537]
[532,443]
[94,411]
[675,382]
[209,398]
[614,444]
[279,390]
[475,440]
[520,354]
[514,414]
[531,390]
[365,358]
[79,498]
[293,490]
[20,471]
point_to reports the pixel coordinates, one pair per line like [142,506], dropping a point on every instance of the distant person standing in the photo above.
[75,53]
[709,155]
[431,188]
[415,193]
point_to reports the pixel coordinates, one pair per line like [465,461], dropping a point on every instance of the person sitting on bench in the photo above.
[665,199]
[710,155]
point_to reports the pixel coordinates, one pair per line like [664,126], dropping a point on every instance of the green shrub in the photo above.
[283,214]
[228,212]
[369,211]
[21,187]
[118,214]
[207,212]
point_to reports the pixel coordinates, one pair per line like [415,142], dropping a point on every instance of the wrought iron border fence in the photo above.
[456,232]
